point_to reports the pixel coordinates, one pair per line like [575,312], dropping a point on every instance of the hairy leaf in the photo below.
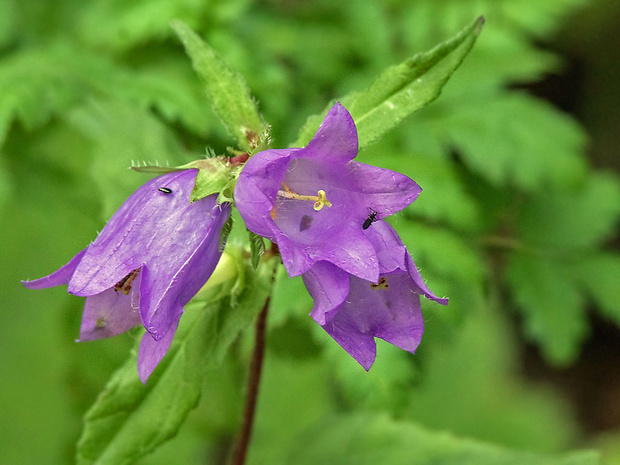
[402,89]
[227,90]
[551,304]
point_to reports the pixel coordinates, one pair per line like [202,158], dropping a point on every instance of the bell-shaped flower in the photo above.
[316,202]
[149,260]
[354,311]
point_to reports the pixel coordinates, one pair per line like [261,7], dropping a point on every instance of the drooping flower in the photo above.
[354,311]
[149,260]
[316,202]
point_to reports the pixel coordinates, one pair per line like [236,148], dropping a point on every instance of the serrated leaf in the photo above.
[444,196]
[128,419]
[120,25]
[515,138]
[367,439]
[577,218]
[551,304]
[227,90]
[599,274]
[442,250]
[123,135]
[36,84]
[402,89]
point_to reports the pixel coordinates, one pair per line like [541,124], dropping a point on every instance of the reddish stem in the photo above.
[256,366]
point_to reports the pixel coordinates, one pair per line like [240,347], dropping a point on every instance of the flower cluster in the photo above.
[149,260]
[325,212]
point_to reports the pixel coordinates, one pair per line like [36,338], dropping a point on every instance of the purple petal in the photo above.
[423,288]
[393,256]
[390,311]
[389,248]
[110,313]
[336,137]
[162,293]
[150,227]
[347,248]
[384,191]
[58,277]
[151,351]
[257,189]
[329,286]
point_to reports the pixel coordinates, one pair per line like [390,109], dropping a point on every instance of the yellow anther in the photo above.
[322,201]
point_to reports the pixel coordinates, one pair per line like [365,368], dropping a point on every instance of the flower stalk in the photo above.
[256,368]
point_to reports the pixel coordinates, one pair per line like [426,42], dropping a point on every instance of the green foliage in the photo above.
[226,89]
[369,439]
[511,218]
[402,89]
[129,420]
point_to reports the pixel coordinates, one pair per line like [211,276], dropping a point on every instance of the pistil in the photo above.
[320,199]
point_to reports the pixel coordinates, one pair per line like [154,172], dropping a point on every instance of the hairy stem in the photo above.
[245,434]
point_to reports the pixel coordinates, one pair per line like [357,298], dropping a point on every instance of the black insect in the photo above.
[372,216]
[165,190]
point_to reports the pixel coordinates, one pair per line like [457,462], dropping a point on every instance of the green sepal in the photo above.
[228,91]
[215,176]
[401,89]
[257,246]
[129,419]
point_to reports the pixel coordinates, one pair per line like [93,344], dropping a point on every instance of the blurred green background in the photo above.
[517,223]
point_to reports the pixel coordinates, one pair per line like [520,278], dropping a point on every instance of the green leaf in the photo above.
[402,89]
[515,138]
[551,305]
[119,25]
[598,273]
[581,217]
[227,90]
[444,196]
[367,439]
[36,84]
[123,134]
[128,419]
[257,246]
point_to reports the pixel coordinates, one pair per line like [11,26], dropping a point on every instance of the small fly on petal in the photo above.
[372,217]
[165,190]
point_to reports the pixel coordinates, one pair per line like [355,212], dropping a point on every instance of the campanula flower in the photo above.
[149,260]
[315,202]
[354,311]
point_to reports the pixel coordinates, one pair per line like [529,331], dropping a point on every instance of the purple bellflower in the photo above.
[354,311]
[314,201]
[325,212]
[149,260]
